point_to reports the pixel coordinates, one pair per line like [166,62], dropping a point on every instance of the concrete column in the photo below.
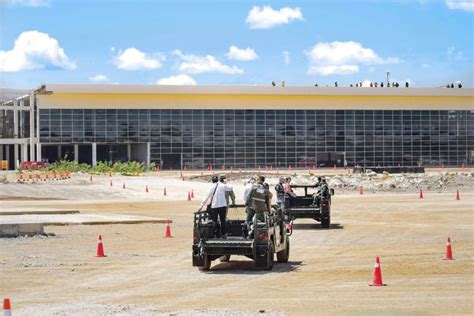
[148,154]
[38,151]
[15,118]
[15,156]
[1,152]
[94,154]
[76,152]
[24,152]
[59,152]
[7,152]
[21,116]
[32,126]
[129,151]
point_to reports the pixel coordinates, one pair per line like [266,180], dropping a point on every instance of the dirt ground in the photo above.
[328,272]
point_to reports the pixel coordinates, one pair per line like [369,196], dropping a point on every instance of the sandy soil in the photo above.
[328,273]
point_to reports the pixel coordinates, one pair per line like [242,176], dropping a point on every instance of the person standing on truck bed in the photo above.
[258,202]
[280,191]
[248,187]
[229,193]
[216,197]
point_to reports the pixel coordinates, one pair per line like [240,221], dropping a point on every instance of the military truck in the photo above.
[306,206]
[268,238]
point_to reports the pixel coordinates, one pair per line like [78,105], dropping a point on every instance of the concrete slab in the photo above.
[15,230]
[77,219]
[37,212]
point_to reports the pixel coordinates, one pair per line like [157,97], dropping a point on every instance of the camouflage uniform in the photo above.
[257,202]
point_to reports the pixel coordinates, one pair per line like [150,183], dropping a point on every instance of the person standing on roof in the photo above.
[217,198]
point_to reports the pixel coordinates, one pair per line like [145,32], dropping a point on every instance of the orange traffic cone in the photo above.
[449,251]
[111,184]
[361,190]
[164,192]
[421,193]
[100,248]
[123,185]
[457,195]
[189,196]
[168,230]
[192,194]
[146,189]
[7,308]
[377,274]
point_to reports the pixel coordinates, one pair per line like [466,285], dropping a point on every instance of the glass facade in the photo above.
[252,138]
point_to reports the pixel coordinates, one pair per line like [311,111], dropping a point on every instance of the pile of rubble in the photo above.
[371,181]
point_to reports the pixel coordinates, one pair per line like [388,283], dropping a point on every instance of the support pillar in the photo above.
[148,150]
[7,153]
[94,154]
[1,152]
[21,120]
[59,152]
[129,151]
[15,156]
[15,118]
[38,152]
[32,126]
[24,152]
[76,152]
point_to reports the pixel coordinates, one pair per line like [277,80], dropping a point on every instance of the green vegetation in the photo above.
[131,168]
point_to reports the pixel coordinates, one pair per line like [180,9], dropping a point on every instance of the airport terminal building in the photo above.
[239,126]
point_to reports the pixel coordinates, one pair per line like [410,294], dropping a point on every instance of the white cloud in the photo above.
[466,5]
[34,50]
[133,59]
[26,3]
[242,54]
[203,64]
[453,53]
[266,17]
[98,78]
[366,83]
[179,80]
[342,58]
[286,57]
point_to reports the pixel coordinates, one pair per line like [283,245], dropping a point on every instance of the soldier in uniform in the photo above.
[258,202]
[280,191]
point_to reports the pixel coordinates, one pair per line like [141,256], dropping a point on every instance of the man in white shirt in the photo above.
[248,187]
[217,198]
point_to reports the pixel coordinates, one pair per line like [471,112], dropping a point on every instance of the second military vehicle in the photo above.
[267,238]
[310,205]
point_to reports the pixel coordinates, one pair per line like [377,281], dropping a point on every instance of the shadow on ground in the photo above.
[248,267]
[316,226]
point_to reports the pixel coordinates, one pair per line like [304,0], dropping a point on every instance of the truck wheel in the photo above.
[270,256]
[224,258]
[282,256]
[326,221]
[207,263]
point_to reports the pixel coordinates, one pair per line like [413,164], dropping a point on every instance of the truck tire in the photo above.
[326,221]
[282,256]
[207,263]
[224,258]
[270,256]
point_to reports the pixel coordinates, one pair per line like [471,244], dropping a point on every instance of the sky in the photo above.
[428,43]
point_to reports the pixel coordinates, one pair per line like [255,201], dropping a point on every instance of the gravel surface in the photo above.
[328,272]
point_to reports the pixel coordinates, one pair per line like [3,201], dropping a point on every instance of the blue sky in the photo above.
[429,43]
